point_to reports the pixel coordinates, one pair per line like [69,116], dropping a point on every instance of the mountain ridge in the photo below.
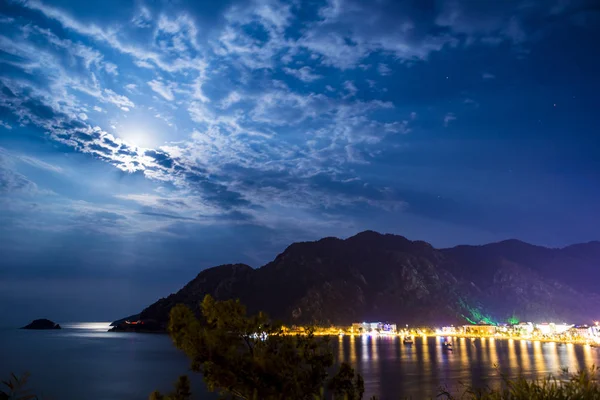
[389,277]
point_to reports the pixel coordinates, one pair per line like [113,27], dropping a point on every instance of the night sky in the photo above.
[142,142]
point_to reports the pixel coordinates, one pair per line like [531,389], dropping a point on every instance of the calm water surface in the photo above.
[84,362]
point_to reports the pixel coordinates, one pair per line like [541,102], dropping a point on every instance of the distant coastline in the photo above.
[141,326]
[135,325]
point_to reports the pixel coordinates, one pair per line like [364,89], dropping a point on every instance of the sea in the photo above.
[83,361]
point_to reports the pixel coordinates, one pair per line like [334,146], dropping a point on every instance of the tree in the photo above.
[182,391]
[346,384]
[16,389]
[249,357]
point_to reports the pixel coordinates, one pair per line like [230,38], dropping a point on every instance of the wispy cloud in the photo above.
[350,88]
[449,117]
[143,18]
[232,98]
[12,182]
[113,39]
[305,74]
[118,100]
[39,163]
[163,89]
[384,69]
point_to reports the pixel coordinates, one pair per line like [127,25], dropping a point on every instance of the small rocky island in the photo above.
[42,324]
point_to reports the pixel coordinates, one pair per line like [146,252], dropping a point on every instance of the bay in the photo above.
[84,362]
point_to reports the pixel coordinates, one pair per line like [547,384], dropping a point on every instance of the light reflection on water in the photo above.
[352,350]
[588,357]
[136,364]
[525,361]
[390,368]
[87,326]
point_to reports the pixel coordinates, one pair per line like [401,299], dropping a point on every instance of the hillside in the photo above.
[371,276]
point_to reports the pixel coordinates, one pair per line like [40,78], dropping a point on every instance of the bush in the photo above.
[582,385]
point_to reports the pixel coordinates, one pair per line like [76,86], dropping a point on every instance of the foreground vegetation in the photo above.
[15,388]
[250,357]
[582,385]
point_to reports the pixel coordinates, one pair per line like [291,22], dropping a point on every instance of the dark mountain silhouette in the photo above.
[572,265]
[371,276]
[530,281]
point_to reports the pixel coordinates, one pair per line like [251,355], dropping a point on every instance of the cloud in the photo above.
[471,102]
[350,88]
[236,43]
[487,75]
[163,89]
[232,98]
[162,215]
[449,117]
[39,163]
[186,164]
[117,99]
[161,158]
[111,68]
[248,138]
[143,64]
[280,107]
[89,56]
[5,125]
[142,56]
[333,49]
[516,22]
[343,37]
[305,74]
[14,183]
[383,69]
[143,19]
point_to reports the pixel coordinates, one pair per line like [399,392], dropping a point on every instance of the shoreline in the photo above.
[341,333]
[584,342]
[530,339]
